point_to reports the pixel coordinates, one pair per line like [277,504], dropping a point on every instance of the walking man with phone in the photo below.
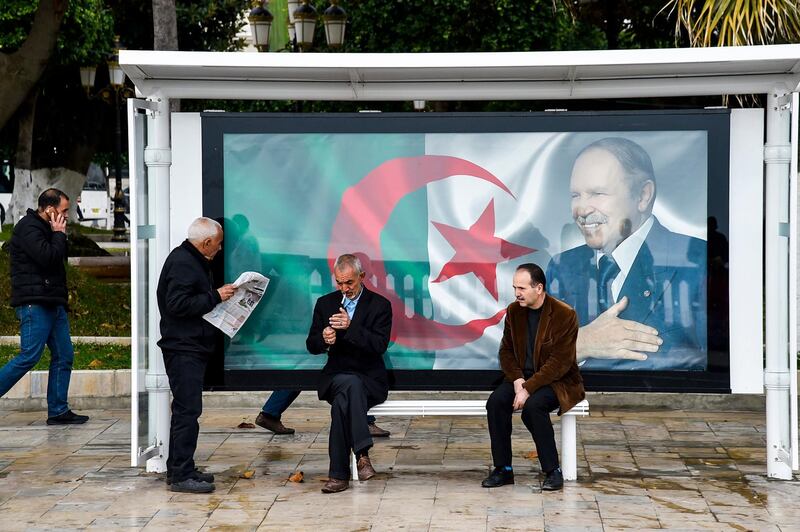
[39,295]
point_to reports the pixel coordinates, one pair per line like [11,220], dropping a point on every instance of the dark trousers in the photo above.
[279,401]
[535,415]
[349,402]
[185,371]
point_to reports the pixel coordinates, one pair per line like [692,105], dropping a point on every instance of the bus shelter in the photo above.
[166,188]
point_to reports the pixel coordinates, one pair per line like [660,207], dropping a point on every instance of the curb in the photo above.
[110,389]
[102,340]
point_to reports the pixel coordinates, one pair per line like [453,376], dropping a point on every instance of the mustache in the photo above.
[594,218]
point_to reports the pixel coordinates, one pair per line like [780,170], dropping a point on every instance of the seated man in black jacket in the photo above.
[352,325]
[39,295]
[186,292]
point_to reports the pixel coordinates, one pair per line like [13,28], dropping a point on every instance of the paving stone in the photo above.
[637,470]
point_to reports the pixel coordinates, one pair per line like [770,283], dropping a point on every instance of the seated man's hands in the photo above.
[609,336]
[226,291]
[340,320]
[329,335]
[521,394]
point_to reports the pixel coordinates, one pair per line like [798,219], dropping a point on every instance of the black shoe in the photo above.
[197,475]
[554,480]
[67,418]
[272,424]
[192,485]
[499,477]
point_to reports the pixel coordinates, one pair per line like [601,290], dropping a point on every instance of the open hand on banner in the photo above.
[609,336]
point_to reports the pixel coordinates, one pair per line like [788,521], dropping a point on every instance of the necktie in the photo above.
[608,270]
[349,306]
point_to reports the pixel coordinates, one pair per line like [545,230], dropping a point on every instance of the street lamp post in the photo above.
[302,24]
[114,94]
[117,78]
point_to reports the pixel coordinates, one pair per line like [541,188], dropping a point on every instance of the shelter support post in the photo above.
[777,158]
[158,158]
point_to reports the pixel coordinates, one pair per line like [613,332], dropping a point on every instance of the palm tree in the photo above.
[736,22]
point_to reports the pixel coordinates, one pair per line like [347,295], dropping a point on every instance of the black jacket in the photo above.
[185,292]
[360,348]
[38,274]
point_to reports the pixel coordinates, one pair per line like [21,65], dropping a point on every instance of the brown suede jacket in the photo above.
[554,354]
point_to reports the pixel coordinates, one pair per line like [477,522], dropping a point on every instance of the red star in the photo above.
[477,250]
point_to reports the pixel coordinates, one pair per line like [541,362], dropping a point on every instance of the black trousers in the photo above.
[185,371]
[535,415]
[350,401]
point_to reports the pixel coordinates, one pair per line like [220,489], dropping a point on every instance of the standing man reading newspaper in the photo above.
[186,292]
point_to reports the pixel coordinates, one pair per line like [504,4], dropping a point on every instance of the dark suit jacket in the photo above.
[666,289]
[359,349]
[553,353]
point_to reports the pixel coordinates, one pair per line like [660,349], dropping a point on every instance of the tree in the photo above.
[45,155]
[60,131]
[21,68]
[726,23]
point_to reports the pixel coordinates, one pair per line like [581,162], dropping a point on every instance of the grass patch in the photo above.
[5,233]
[95,308]
[87,356]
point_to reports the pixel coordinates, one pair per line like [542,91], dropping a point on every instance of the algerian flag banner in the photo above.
[440,222]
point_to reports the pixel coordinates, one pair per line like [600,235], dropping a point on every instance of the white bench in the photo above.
[569,438]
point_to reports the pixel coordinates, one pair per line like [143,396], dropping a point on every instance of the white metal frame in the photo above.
[510,76]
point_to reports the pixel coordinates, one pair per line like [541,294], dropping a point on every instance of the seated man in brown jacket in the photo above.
[537,356]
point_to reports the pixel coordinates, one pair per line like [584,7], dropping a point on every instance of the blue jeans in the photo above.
[280,400]
[40,325]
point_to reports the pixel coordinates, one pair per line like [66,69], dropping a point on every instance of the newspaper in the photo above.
[230,315]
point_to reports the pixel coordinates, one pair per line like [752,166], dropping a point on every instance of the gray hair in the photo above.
[632,157]
[203,228]
[348,261]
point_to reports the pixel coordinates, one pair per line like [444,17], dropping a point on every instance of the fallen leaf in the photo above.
[533,455]
[297,476]
[248,474]
[95,363]
[245,425]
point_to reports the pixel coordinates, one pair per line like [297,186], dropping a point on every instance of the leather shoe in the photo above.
[498,477]
[376,432]
[554,480]
[197,474]
[272,424]
[335,485]
[192,485]
[67,418]
[365,469]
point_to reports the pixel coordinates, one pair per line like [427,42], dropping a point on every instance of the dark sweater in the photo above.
[185,292]
[38,274]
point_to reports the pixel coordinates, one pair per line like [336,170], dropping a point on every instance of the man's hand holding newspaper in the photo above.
[230,315]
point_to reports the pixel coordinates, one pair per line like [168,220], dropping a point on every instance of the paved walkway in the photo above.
[637,470]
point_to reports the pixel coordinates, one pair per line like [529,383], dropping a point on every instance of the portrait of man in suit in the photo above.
[638,288]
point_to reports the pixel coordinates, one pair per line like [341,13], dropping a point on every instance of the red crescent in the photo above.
[365,210]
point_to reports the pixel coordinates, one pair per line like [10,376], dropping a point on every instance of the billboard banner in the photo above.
[441,209]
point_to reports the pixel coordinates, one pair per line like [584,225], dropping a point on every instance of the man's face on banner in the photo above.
[603,205]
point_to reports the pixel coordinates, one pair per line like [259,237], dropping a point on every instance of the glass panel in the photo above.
[141,248]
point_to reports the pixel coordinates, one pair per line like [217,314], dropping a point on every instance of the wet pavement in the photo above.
[641,470]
